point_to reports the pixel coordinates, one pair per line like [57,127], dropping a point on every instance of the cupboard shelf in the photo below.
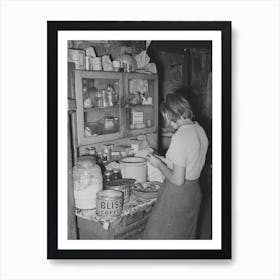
[101,108]
[141,105]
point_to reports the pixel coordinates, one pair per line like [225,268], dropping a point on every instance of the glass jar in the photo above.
[109,124]
[110,95]
[92,151]
[87,181]
[105,98]
[99,99]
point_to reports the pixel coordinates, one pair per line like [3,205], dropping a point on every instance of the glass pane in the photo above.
[101,106]
[141,100]
[141,91]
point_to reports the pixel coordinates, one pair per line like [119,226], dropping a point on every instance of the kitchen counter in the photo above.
[130,224]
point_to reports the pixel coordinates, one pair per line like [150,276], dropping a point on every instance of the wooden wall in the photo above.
[201,80]
[186,68]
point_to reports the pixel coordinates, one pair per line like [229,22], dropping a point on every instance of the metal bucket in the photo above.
[134,167]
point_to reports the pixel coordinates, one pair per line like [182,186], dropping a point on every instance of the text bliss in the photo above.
[111,207]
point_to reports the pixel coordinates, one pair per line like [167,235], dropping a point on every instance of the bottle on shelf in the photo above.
[116,174]
[110,96]
[84,86]
[99,161]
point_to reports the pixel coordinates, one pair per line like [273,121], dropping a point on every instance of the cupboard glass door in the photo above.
[141,103]
[99,96]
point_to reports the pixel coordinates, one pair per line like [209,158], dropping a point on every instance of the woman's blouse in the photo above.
[188,149]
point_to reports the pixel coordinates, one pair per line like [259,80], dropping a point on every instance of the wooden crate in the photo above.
[130,227]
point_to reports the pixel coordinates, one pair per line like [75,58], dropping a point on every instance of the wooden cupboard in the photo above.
[121,114]
[114,105]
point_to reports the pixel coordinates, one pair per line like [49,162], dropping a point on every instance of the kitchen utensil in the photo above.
[134,167]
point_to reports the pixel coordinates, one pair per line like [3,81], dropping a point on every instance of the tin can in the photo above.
[97,64]
[124,66]
[92,151]
[105,98]
[87,60]
[110,99]
[123,185]
[99,99]
[109,203]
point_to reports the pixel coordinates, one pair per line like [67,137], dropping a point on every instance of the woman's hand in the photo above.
[155,161]
[176,175]
[162,158]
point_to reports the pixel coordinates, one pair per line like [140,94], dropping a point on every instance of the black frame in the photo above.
[52,59]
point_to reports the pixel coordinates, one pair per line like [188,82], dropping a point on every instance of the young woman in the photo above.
[176,211]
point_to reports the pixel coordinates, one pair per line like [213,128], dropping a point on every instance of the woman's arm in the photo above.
[175,176]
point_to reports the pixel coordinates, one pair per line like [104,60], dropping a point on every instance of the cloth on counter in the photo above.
[135,204]
[154,174]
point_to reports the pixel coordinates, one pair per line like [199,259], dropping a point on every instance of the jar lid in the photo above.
[134,160]
[115,170]
[109,194]
[86,161]
[108,172]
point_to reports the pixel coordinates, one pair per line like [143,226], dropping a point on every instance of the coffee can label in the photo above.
[109,208]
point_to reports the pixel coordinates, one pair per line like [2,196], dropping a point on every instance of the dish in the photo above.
[147,190]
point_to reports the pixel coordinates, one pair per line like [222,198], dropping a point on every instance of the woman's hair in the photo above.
[175,107]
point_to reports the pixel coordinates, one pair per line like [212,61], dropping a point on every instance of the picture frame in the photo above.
[58,244]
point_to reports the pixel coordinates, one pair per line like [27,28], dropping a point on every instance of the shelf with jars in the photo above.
[114,105]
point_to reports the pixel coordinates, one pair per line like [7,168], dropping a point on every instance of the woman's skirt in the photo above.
[175,213]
